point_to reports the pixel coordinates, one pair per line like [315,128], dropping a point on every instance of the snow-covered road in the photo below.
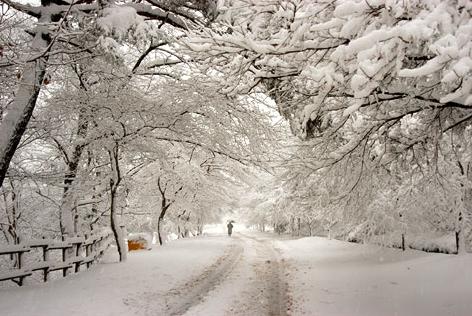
[217,275]
[255,286]
[255,274]
[179,300]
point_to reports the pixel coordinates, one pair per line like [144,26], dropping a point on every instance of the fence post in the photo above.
[64,256]
[456,235]
[100,244]
[403,242]
[77,253]
[45,259]
[93,248]
[87,250]
[20,264]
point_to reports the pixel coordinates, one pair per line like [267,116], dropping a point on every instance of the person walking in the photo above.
[230,228]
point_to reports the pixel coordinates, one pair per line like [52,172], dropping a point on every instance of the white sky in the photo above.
[32,2]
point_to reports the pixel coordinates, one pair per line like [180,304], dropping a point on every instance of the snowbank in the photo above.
[424,242]
[135,287]
[331,277]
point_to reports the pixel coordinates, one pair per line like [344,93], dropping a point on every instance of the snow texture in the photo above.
[331,277]
[130,288]
[325,277]
[119,19]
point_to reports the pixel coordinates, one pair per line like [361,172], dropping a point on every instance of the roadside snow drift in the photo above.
[330,277]
[136,287]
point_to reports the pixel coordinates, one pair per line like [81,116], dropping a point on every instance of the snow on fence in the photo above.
[76,252]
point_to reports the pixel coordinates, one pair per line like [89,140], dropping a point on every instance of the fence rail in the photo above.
[75,252]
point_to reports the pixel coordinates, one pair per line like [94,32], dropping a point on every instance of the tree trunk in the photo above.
[164,208]
[200,229]
[14,123]
[66,214]
[165,204]
[179,235]
[12,214]
[19,113]
[180,231]
[68,198]
[465,235]
[200,226]
[466,228]
[114,222]
[159,228]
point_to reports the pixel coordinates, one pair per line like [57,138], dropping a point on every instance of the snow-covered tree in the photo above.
[368,84]
[66,30]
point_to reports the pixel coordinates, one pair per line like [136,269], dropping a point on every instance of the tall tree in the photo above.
[44,46]
[367,85]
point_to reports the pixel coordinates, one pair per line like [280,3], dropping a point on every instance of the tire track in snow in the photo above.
[271,288]
[181,299]
[256,287]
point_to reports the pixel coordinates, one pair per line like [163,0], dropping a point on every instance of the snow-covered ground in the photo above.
[139,286]
[254,286]
[330,277]
[258,274]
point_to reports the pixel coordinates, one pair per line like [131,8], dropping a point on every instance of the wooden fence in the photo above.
[75,252]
